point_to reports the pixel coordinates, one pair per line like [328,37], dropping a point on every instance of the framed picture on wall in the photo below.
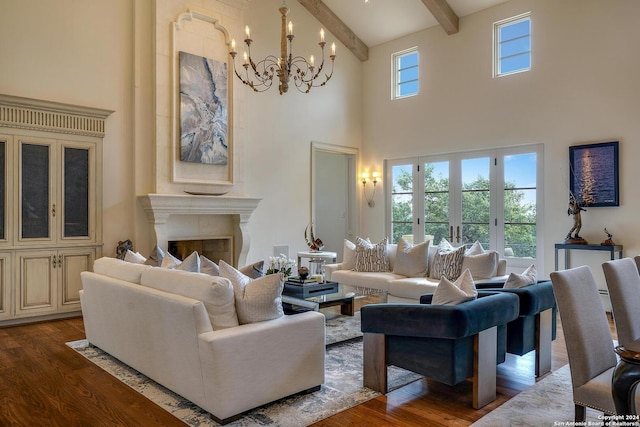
[594,178]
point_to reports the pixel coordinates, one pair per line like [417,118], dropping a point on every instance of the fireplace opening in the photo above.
[215,249]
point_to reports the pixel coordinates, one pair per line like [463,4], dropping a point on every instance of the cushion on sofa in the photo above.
[447,264]
[482,266]
[528,277]
[475,249]
[155,257]
[119,269]
[134,257]
[371,257]
[257,300]
[349,255]
[454,293]
[216,293]
[411,260]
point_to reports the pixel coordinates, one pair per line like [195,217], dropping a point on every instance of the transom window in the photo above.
[405,73]
[512,45]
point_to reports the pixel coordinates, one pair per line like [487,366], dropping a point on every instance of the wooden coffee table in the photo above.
[292,302]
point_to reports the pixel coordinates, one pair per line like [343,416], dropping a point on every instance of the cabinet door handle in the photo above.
[53,210]
[60,261]
[53,258]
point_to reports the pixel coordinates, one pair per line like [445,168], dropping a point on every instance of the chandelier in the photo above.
[260,75]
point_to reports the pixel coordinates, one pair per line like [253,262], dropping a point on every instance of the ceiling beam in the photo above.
[443,13]
[338,28]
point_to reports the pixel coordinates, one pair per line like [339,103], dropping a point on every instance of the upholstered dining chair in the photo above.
[588,340]
[623,281]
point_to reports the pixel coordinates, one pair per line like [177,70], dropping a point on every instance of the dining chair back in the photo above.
[623,281]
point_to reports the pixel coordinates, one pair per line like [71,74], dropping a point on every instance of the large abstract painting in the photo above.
[203,110]
[594,174]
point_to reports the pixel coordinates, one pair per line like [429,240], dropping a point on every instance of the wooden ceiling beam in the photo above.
[338,28]
[443,13]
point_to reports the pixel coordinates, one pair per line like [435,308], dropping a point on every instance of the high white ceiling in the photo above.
[379,21]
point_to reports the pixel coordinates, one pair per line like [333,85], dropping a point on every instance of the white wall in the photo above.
[583,87]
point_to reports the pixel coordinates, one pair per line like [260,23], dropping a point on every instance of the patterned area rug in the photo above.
[342,388]
[547,403]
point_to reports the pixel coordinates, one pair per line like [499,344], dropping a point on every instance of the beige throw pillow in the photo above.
[257,300]
[475,249]
[216,293]
[411,260]
[170,261]
[482,266]
[349,255]
[134,257]
[453,293]
[370,257]
[447,264]
[528,277]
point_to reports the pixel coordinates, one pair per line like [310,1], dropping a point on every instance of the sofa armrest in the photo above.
[330,268]
[533,298]
[440,321]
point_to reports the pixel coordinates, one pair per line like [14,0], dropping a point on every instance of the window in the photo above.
[512,45]
[490,196]
[405,73]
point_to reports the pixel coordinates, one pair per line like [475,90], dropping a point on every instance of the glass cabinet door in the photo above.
[35,179]
[3,189]
[76,192]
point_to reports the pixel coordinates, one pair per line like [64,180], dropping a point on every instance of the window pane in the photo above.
[408,74]
[514,47]
[409,60]
[520,240]
[409,88]
[520,205]
[518,29]
[401,201]
[436,200]
[476,200]
[515,63]
[520,171]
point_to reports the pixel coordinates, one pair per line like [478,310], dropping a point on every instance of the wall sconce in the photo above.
[374,180]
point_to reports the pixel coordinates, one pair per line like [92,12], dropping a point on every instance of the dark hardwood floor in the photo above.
[44,382]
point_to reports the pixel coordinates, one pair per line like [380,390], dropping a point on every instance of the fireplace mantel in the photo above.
[160,208]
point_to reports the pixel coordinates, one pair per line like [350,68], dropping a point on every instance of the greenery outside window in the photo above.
[405,73]
[512,45]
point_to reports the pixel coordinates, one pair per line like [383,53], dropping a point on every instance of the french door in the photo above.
[491,196]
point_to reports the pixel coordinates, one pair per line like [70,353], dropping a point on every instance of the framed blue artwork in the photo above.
[594,178]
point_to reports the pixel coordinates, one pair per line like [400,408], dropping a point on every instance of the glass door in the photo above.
[36,205]
[475,206]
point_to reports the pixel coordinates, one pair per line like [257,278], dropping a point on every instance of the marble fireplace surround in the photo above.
[200,217]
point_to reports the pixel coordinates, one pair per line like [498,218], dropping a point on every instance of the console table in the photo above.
[332,256]
[612,250]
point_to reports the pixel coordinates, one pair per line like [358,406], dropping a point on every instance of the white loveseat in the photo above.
[169,338]
[400,288]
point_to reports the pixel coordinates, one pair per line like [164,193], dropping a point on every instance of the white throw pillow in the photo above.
[482,266]
[370,257]
[155,258]
[257,300]
[447,264]
[453,293]
[475,249]
[411,260]
[208,267]
[170,261]
[349,255]
[190,263]
[528,277]
[216,293]
[134,257]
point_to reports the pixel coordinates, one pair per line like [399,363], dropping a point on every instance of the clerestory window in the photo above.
[405,73]
[512,45]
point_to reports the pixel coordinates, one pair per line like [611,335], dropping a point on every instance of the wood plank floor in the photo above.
[43,382]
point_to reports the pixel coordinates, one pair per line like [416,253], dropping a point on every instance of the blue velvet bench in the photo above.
[535,327]
[446,343]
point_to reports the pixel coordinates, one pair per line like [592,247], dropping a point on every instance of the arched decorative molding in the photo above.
[192,14]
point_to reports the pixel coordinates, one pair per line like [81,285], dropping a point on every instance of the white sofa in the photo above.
[170,339]
[399,288]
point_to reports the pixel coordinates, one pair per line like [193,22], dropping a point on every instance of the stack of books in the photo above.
[302,282]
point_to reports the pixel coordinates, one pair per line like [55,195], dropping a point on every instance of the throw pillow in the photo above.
[254,271]
[257,300]
[349,255]
[411,260]
[528,277]
[155,258]
[475,249]
[134,257]
[482,266]
[453,293]
[216,293]
[370,257]
[190,263]
[447,264]
[170,261]
[208,267]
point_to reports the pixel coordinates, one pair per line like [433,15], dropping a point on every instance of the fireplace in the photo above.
[202,221]
[216,249]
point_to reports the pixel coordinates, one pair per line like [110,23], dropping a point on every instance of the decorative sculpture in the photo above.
[314,243]
[574,209]
[123,246]
[609,241]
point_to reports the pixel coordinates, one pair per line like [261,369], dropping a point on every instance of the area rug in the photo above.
[342,328]
[342,389]
[547,403]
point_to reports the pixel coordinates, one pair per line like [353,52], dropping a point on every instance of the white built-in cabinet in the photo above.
[50,205]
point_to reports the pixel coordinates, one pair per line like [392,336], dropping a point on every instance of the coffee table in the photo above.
[341,297]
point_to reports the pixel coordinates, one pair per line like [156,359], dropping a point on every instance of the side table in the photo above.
[612,250]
